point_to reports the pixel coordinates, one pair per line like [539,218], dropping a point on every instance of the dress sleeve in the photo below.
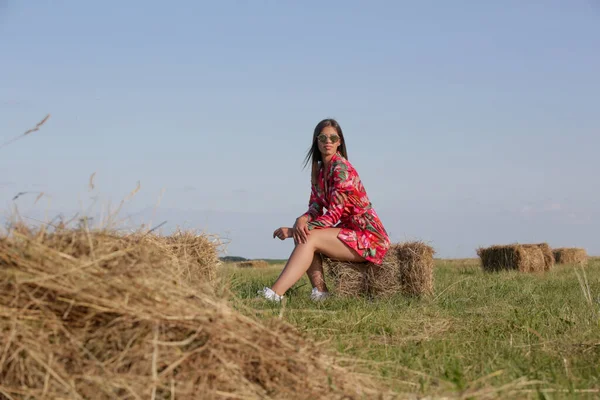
[338,195]
[314,207]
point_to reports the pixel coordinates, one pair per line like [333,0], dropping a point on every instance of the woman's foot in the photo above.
[269,294]
[317,295]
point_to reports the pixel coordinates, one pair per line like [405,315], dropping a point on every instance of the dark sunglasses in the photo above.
[323,138]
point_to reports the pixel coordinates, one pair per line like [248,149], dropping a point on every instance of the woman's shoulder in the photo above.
[343,170]
[339,162]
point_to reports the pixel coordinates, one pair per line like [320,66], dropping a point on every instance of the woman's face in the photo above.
[329,141]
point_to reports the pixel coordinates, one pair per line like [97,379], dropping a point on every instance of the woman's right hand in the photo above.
[301,231]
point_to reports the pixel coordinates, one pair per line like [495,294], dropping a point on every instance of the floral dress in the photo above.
[341,192]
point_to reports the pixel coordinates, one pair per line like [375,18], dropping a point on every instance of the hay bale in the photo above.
[253,264]
[119,326]
[384,280]
[415,261]
[407,268]
[348,278]
[547,252]
[571,255]
[517,257]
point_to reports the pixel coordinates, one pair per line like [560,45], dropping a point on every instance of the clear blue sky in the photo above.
[470,123]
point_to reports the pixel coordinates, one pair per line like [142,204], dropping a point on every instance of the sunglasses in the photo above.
[323,138]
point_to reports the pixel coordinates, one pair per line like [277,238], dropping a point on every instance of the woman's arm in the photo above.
[314,207]
[300,230]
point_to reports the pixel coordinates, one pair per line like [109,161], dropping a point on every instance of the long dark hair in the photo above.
[314,154]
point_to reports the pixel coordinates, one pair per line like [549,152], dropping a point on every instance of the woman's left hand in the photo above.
[283,233]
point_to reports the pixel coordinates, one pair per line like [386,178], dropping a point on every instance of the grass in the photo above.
[480,334]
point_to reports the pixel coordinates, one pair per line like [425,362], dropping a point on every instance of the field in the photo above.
[98,314]
[480,335]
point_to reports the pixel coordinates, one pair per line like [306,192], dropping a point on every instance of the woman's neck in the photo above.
[327,162]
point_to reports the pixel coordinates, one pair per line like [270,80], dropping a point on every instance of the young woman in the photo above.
[349,230]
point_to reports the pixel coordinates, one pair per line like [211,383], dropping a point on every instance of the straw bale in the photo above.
[517,257]
[110,322]
[415,261]
[547,252]
[348,278]
[407,268]
[384,280]
[571,255]
[253,264]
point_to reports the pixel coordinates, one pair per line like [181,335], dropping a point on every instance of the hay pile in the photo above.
[103,316]
[407,268]
[194,257]
[253,264]
[570,255]
[196,254]
[523,258]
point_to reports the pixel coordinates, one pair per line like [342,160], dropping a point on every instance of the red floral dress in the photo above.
[341,192]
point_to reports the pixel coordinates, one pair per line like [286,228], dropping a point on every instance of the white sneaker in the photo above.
[269,294]
[318,296]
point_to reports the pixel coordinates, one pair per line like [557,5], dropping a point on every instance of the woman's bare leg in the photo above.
[320,240]
[315,273]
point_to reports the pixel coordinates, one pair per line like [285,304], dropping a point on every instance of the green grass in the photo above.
[479,332]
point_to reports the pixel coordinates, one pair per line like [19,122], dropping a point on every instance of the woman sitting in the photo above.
[349,230]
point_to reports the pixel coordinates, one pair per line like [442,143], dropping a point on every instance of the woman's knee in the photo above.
[311,242]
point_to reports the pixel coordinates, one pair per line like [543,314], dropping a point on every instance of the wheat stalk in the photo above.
[34,129]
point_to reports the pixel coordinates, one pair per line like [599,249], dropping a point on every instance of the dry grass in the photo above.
[196,255]
[253,264]
[571,255]
[98,315]
[27,132]
[523,258]
[407,268]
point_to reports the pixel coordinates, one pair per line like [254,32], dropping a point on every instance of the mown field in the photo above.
[481,334]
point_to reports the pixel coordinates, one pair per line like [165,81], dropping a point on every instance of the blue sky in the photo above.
[470,123]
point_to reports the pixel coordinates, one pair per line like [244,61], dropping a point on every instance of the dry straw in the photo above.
[547,252]
[523,258]
[571,255]
[416,268]
[196,255]
[253,264]
[407,268]
[349,279]
[97,315]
